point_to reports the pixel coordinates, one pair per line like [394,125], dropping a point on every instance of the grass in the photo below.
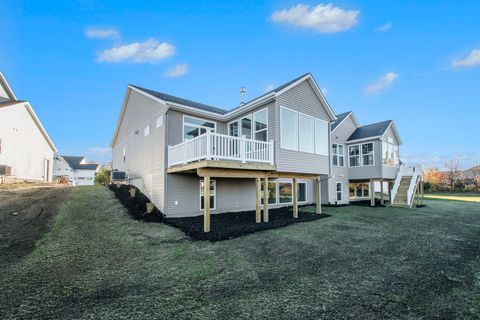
[376,263]
[468,197]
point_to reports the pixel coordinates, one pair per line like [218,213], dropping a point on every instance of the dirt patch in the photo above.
[137,205]
[231,225]
[25,216]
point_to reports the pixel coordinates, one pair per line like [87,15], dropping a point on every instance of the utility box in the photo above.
[118,177]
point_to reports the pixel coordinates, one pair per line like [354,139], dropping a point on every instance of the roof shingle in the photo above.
[370,130]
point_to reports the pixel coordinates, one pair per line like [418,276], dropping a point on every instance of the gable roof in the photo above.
[219,113]
[74,163]
[374,130]
[340,118]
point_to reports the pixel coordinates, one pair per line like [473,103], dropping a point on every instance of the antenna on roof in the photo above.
[242,95]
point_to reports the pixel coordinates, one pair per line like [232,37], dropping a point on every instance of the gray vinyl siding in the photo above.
[145,155]
[368,172]
[300,98]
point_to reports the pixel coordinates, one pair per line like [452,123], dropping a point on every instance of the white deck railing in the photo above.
[215,146]
[411,171]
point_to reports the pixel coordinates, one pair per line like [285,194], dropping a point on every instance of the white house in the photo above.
[26,150]
[75,169]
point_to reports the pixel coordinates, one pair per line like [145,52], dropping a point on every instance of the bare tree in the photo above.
[453,173]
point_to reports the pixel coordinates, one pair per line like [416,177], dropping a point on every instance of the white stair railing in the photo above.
[406,171]
[215,146]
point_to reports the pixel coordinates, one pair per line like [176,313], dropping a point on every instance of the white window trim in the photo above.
[315,136]
[359,155]
[355,192]
[338,155]
[252,116]
[296,129]
[373,154]
[337,192]
[214,194]
[314,131]
[197,126]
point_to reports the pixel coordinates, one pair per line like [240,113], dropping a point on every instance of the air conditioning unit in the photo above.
[116,176]
[5,170]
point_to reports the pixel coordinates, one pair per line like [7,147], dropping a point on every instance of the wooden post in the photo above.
[390,192]
[381,193]
[258,195]
[319,196]
[372,192]
[206,204]
[422,191]
[265,199]
[295,198]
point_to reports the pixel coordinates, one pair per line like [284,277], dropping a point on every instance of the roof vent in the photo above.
[242,95]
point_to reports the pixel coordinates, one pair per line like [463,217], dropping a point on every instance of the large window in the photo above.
[260,125]
[354,156]
[390,154]
[339,191]
[368,154]
[306,133]
[289,128]
[359,190]
[302,192]
[285,192]
[213,189]
[193,127]
[321,137]
[338,155]
[252,126]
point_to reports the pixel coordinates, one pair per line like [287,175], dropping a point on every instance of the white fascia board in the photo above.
[363,140]
[9,89]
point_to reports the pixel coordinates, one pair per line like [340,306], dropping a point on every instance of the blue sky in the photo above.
[411,61]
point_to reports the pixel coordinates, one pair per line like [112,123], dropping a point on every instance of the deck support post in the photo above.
[206,204]
[382,202]
[265,199]
[390,192]
[295,197]
[258,195]
[372,192]
[319,195]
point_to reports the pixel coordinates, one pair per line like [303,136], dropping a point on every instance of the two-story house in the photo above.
[76,169]
[362,157]
[275,147]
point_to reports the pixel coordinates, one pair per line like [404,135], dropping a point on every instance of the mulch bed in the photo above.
[224,226]
[137,206]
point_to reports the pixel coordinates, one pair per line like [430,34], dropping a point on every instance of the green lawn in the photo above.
[98,263]
[469,197]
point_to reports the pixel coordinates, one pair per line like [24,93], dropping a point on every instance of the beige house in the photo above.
[26,150]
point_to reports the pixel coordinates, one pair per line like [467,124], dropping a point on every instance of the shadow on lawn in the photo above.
[224,226]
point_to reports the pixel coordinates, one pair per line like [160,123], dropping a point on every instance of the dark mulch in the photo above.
[137,206]
[231,225]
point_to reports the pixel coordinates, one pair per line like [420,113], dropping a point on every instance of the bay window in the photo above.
[338,155]
[354,155]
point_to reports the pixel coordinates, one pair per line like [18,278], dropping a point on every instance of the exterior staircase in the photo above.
[406,186]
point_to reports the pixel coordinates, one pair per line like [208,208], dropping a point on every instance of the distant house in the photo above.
[76,169]
[26,150]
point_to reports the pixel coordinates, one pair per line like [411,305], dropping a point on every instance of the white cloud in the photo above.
[324,18]
[383,28]
[102,33]
[99,154]
[147,51]
[472,60]
[269,87]
[177,71]
[384,82]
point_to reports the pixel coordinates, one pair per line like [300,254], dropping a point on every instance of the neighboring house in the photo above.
[75,169]
[26,150]
[362,156]
[170,146]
